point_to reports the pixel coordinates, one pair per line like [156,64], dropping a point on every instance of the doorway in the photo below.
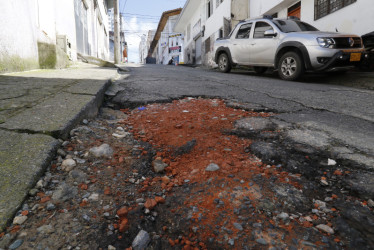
[198,44]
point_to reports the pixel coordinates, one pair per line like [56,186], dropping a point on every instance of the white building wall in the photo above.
[215,22]
[18,31]
[65,24]
[189,42]
[212,26]
[47,18]
[103,31]
[357,18]
[29,31]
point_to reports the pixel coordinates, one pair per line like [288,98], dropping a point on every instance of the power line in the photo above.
[131,28]
[123,7]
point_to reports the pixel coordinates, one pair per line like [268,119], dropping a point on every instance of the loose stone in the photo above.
[325,228]
[19,220]
[45,229]
[370,203]
[283,216]
[159,166]
[231,242]
[331,162]
[141,241]
[94,197]
[39,184]
[212,167]
[50,206]
[86,217]
[68,165]
[102,151]
[238,226]
[16,244]
[262,241]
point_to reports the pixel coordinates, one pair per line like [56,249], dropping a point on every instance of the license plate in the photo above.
[355,57]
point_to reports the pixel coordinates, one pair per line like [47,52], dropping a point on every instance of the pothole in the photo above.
[187,174]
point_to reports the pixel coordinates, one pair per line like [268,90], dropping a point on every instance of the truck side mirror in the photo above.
[270,33]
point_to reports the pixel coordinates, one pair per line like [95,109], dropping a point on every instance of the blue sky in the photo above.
[141,16]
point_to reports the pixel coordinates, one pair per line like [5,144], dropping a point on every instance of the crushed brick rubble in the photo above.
[173,176]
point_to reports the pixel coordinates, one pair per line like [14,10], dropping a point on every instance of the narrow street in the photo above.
[188,158]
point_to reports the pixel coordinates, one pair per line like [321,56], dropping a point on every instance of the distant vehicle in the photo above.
[288,45]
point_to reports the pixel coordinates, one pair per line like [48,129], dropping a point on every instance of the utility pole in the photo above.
[117,46]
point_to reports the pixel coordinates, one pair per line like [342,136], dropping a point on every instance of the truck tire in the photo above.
[290,66]
[224,63]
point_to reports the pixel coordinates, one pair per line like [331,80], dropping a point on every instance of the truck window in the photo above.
[260,29]
[244,31]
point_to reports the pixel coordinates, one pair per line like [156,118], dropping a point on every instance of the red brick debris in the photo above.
[168,127]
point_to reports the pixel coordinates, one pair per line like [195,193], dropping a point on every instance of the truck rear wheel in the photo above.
[290,66]
[224,63]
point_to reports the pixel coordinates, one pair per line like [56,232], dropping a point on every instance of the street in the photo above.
[189,158]
[345,115]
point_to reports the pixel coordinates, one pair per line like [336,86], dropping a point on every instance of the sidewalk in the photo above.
[36,109]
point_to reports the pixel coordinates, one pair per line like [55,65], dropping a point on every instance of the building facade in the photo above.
[50,33]
[143,49]
[144,46]
[166,45]
[170,44]
[203,21]
[347,16]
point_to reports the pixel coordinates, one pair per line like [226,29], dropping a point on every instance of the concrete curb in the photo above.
[90,110]
[25,155]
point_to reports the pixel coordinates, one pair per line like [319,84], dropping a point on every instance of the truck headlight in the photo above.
[326,42]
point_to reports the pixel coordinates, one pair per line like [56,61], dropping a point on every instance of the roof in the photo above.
[161,25]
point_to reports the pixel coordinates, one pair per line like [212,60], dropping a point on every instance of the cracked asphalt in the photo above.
[343,115]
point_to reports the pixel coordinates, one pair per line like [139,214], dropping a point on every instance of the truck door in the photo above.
[263,47]
[241,44]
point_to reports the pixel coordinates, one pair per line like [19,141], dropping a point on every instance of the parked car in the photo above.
[288,45]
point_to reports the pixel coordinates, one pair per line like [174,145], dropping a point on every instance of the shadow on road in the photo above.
[355,79]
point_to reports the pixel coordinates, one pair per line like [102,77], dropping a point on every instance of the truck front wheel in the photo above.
[290,66]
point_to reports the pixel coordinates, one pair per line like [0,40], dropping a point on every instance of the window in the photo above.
[207,45]
[244,31]
[260,29]
[209,8]
[288,26]
[324,7]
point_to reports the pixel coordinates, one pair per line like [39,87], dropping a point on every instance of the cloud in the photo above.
[134,29]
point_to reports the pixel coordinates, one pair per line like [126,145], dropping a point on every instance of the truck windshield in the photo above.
[287,26]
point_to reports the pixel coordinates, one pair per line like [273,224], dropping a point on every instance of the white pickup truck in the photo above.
[290,46]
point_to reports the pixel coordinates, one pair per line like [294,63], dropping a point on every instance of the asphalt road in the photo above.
[331,117]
